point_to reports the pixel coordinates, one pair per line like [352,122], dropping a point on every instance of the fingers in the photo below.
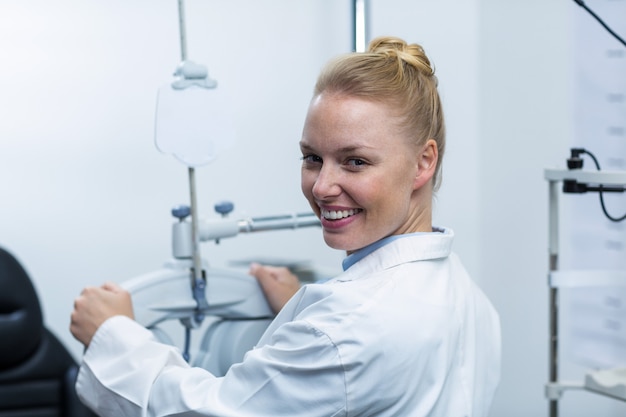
[112,286]
[254,269]
[268,274]
[278,284]
[94,306]
[82,323]
[262,273]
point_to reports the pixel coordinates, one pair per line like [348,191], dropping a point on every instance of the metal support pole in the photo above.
[182,30]
[197,259]
[553,248]
[360,35]
[198,284]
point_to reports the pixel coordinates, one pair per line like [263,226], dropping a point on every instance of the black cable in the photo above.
[582,4]
[186,354]
[614,219]
[595,161]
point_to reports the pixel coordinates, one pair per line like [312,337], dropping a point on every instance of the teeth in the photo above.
[340,214]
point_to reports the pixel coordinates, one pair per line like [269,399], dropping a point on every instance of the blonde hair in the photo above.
[397,73]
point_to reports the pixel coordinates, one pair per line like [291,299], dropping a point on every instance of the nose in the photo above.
[327,183]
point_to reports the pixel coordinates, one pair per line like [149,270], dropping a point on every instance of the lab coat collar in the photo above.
[396,250]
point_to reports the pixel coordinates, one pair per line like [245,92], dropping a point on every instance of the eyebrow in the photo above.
[345,149]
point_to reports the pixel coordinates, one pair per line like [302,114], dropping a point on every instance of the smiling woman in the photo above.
[403,331]
[372,145]
[362,173]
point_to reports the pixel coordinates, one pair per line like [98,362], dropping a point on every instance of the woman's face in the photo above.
[360,174]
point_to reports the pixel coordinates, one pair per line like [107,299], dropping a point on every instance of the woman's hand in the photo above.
[94,306]
[278,284]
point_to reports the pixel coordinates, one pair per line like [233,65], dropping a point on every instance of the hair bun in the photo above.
[412,54]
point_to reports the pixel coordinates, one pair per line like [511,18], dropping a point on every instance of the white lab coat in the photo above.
[403,332]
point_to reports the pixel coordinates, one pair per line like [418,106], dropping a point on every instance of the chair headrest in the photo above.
[21,321]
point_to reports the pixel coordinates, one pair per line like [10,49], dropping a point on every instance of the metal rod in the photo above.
[197,259]
[181,26]
[554,344]
[261,224]
[553,249]
[284,217]
[195,236]
[360,35]
[197,279]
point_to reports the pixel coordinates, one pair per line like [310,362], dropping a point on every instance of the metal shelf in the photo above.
[608,382]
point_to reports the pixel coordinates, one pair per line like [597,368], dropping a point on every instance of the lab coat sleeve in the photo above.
[127,372]
[122,357]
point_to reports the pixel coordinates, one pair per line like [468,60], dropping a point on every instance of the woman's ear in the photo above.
[426,163]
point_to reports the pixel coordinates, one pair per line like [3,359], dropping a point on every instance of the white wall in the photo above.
[86,196]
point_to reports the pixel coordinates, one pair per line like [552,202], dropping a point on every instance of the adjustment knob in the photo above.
[181,212]
[224,207]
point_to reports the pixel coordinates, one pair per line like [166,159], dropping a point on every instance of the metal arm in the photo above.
[220,228]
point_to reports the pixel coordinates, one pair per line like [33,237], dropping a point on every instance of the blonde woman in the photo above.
[403,331]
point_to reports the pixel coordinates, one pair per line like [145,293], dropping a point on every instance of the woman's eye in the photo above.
[311,159]
[355,162]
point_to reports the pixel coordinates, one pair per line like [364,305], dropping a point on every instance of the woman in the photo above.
[403,331]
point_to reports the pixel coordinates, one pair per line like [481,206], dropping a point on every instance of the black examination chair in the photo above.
[37,373]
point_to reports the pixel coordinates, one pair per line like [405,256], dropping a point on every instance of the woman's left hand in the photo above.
[277,282]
